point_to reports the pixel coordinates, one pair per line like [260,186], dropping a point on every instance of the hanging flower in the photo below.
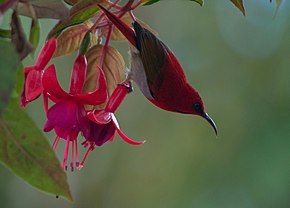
[68,116]
[103,123]
[33,74]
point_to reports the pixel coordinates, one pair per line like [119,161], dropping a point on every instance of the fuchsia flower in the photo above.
[68,116]
[103,123]
[33,74]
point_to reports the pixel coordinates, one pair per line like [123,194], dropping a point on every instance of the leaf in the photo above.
[118,36]
[23,47]
[34,34]
[200,2]
[53,9]
[85,4]
[9,61]
[240,5]
[27,153]
[149,2]
[71,2]
[76,18]
[86,42]
[114,69]
[71,39]
[5,33]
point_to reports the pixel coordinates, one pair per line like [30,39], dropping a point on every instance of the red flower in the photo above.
[68,116]
[103,123]
[33,74]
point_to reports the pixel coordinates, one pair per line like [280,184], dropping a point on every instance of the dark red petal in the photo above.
[51,85]
[97,97]
[83,122]
[101,133]
[46,54]
[123,136]
[78,76]
[117,97]
[99,116]
[113,137]
[33,86]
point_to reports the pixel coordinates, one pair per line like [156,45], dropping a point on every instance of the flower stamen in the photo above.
[77,153]
[86,143]
[65,155]
[72,155]
[55,143]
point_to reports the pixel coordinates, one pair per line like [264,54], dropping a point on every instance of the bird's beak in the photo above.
[212,123]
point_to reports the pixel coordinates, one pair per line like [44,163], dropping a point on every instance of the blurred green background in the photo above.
[241,67]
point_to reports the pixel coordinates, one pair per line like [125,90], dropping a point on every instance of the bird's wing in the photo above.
[152,52]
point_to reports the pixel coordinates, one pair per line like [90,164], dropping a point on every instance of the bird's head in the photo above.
[191,103]
[198,109]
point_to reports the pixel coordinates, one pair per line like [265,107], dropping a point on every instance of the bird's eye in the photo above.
[198,107]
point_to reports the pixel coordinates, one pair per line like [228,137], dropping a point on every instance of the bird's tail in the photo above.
[123,27]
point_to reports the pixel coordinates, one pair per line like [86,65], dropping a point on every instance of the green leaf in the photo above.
[34,34]
[84,4]
[149,2]
[240,5]
[9,61]
[200,2]
[85,43]
[27,153]
[71,2]
[76,17]
[5,33]
[54,9]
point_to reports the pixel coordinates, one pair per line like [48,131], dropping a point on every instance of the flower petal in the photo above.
[28,69]
[66,134]
[101,133]
[33,85]
[99,116]
[100,95]
[118,96]
[46,54]
[83,122]
[78,76]
[123,136]
[67,118]
[51,85]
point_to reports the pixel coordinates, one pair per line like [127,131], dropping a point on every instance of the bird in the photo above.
[157,72]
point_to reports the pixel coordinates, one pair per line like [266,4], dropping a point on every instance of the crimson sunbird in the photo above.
[158,73]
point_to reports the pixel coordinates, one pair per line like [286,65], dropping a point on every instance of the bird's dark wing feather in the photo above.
[152,52]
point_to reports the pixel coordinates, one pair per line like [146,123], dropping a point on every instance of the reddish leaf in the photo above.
[53,9]
[71,39]
[23,47]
